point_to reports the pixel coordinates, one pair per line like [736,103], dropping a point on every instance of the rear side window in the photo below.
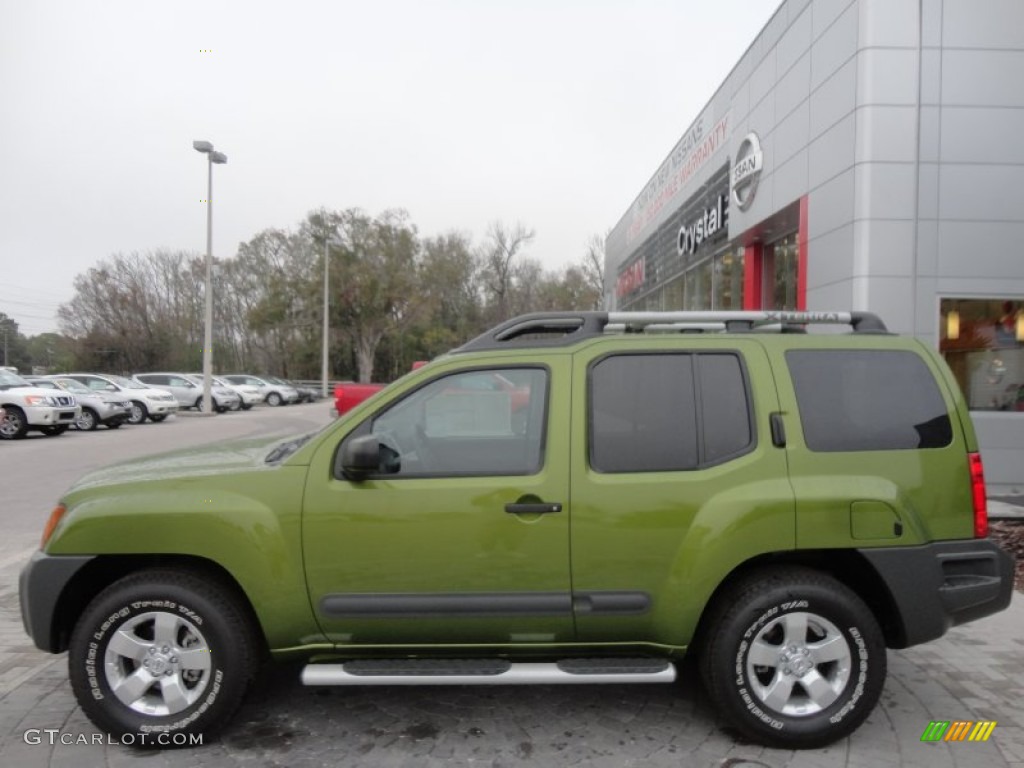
[723,401]
[667,412]
[868,400]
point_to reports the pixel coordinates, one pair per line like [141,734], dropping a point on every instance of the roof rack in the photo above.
[555,329]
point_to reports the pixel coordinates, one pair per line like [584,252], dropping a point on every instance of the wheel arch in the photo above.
[104,570]
[848,567]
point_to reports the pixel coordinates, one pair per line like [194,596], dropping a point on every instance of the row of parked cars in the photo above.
[53,404]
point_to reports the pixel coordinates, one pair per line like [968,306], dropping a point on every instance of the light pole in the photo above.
[220,158]
[328,242]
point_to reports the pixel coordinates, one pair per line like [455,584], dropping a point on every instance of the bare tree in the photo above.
[502,245]
[592,267]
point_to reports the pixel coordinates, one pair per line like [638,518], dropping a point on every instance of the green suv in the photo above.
[568,498]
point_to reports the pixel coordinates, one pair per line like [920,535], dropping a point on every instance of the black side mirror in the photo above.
[360,457]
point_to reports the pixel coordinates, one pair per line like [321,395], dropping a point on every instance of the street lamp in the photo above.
[328,242]
[220,158]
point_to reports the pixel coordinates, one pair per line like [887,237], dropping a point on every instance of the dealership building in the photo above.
[865,155]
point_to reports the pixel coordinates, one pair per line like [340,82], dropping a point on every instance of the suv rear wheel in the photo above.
[163,653]
[274,399]
[793,657]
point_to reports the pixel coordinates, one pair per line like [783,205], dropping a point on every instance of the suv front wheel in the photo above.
[164,653]
[793,658]
[138,413]
[13,425]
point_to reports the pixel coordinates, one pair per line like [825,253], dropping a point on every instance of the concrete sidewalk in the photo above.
[1006,508]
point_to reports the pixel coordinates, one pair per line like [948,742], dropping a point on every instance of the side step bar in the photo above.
[489,672]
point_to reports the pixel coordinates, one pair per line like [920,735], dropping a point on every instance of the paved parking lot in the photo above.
[974,673]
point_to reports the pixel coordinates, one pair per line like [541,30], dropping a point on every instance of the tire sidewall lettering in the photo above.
[96,651]
[855,687]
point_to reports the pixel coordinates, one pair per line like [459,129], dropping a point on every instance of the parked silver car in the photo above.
[273,394]
[188,390]
[97,407]
[154,404]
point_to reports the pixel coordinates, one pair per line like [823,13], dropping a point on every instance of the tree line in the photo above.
[395,297]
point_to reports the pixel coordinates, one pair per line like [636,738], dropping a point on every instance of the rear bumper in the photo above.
[937,586]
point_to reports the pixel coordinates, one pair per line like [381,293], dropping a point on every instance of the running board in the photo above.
[489,672]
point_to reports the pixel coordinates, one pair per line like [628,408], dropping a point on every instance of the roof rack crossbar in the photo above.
[545,329]
[859,321]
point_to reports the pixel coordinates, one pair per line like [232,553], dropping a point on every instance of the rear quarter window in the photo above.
[868,400]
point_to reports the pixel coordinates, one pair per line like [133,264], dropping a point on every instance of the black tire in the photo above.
[138,413]
[823,657]
[54,430]
[246,406]
[13,425]
[177,649]
[156,419]
[88,421]
[198,405]
[274,399]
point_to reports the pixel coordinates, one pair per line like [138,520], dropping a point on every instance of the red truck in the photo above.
[350,394]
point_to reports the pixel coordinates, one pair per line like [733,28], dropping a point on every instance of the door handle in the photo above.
[532,508]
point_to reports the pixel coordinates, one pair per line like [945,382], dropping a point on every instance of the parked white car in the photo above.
[188,390]
[98,408]
[249,395]
[26,407]
[154,404]
[273,394]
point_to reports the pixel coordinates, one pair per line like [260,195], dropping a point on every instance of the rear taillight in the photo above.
[979,496]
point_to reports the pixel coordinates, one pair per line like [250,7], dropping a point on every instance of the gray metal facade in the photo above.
[902,124]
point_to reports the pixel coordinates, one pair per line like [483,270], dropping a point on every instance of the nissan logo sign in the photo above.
[746,171]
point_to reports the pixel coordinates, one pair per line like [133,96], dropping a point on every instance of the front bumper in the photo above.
[51,415]
[162,407]
[937,586]
[113,412]
[40,586]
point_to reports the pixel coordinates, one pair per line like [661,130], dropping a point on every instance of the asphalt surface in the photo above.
[975,673]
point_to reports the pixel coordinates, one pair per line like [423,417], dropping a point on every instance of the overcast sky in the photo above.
[553,113]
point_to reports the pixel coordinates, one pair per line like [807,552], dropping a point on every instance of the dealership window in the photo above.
[983,343]
[728,281]
[779,276]
[715,283]
[698,286]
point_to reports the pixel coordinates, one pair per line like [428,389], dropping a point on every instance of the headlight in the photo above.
[40,400]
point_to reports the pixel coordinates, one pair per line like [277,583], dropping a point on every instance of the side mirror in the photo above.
[360,457]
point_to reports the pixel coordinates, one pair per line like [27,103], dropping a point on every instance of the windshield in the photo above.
[73,386]
[121,381]
[10,380]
